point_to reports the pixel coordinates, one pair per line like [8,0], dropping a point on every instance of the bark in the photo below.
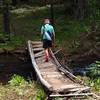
[6,18]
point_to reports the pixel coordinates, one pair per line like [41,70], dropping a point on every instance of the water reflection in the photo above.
[10,65]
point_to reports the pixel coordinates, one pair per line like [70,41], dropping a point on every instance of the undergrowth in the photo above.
[20,89]
[93,77]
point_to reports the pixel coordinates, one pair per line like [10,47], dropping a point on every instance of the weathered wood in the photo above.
[50,73]
[60,68]
[37,46]
[71,76]
[53,76]
[79,90]
[55,60]
[96,96]
[40,59]
[47,69]
[44,82]
[38,49]
[71,95]
[57,51]
[67,88]
[39,54]
[46,65]
[36,42]
[85,89]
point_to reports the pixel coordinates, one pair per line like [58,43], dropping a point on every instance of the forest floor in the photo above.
[20,89]
[78,43]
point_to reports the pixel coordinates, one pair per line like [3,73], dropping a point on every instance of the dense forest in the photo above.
[76,9]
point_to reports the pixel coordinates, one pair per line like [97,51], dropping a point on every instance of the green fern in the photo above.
[16,80]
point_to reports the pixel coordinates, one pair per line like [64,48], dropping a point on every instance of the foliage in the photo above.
[93,3]
[16,80]
[14,42]
[20,89]
[95,71]
[2,38]
[40,94]
[93,77]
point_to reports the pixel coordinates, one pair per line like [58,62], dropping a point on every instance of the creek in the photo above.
[10,65]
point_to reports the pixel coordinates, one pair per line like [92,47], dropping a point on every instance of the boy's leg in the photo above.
[46,54]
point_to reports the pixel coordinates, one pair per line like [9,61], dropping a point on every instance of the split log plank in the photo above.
[79,90]
[85,89]
[71,95]
[46,64]
[37,46]
[39,54]
[64,87]
[36,42]
[52,76]
[46,69]
[40,59]
[38,49]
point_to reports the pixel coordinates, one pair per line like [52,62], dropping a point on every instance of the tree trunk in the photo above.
[80,8]
[6,19]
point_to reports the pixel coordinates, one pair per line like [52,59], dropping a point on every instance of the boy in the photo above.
[48,36]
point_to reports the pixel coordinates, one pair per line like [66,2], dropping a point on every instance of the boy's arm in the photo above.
[53,41]
[42,33]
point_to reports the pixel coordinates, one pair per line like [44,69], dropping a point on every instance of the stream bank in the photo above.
[17,77]
[15,62]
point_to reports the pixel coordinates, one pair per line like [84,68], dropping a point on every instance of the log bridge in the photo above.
[59,81]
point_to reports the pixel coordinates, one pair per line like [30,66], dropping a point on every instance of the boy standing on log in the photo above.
[48,37]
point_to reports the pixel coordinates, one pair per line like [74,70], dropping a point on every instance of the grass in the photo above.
[14,42]
[20,89]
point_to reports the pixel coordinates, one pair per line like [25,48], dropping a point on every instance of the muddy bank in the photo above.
[20,52]
[21,49]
